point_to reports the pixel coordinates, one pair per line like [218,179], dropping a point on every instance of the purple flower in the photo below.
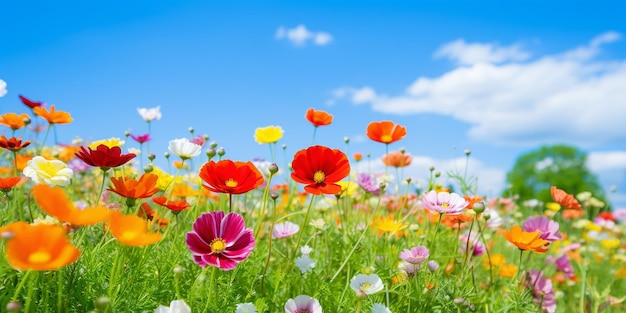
[542,291]
[369,183]
[416,255]
[444,202]
[433,265]
[220,240]
[284,230]
[563,264]
[475,245]
[548,229]
[78,166]
[303,303]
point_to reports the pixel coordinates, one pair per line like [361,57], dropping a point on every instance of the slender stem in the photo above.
[269,247]
[104,178]
[212,288]
[304,223]
[20,285]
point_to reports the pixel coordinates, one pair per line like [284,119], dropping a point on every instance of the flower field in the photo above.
[97,227]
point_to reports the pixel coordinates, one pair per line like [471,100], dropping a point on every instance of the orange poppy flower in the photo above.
[21,161]
[572,214]
[7,183]
[14,121]
[320,168]
[55,202]
[357,156]
[318,118]
[174,205]
[146,211]
[41,247]
[127,187]
[30,103]
[397,159]
[131,230]
[13,144]
[386,132]
[526,240]
[52,116]
[226,176]
[566,200]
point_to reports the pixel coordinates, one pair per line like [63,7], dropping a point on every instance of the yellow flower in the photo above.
[111,142]
[496,260]
[507,270]
[610,243]
[553,206]
[164,178]
[389,225]
[269,134]
[347,188]
[53,173]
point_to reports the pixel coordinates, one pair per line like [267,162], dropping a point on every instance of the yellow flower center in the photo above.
[319,177]
[231,183]
[39,257]
[386,138]
[365,287]
[128,236]
[445,205]
[218,245]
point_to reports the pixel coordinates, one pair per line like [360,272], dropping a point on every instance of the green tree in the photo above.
[559,165]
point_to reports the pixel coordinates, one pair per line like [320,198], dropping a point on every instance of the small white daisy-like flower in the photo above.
[246,308]
[365,285]
[380,308]
[305,263]
[306,250]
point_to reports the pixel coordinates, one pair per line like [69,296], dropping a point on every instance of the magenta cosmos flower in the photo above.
[547,228]
[416,255]
[220,240]
[303,303]
[444,202]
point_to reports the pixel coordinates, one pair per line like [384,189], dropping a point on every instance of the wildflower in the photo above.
[564,199]
[380,308]
[176,306]
[318,118]
[13,144]
[320,168]
[104,157]
[220,240]
[548,229]
[526,240]
[397,159]
[416,255]
[318,223]
[40,247]
[247,307]
[507,270]
[184,148]
[141,138]
[146,211]
[51,172]
[432,265]
[199,140]
[365,285]
[305,263]
[389,225]
[496,260]
[150,114]
[14,121]
[303,303]
[471,243]
[30,103]
[444,202]
[306,250]
[7,183]
[269,134]
[369,183]
[563,264]
[284,230]
[52,116]
[54,201]
[385,132]
[357,156]
[226,176]
[131,230]
[173,205]
[110,142]
[131,188]
[542,291]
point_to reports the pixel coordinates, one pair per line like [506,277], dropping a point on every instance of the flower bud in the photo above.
[221,151]
[126,134]
[432,265]
[273,168]
[191,130]
[151,156]
[14,306]
[210,153]
[479,207]
[205,137]
[148,169]
[274,195]
[166,155]
[178,270]
[102,303]
[431,168]
[346,139]
[467,152]
[213,144]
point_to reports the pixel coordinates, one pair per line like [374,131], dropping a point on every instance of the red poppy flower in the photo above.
[7,183]
[30,103]
[230,177]
[13,144]
[386,131]
[566,200]
[320,168]
[104,157]
[135,189]
[174,205]
[318,118]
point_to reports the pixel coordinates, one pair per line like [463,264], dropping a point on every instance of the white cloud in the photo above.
[300,35]
[607,161]
[471,53]
[3,88]
[568,98]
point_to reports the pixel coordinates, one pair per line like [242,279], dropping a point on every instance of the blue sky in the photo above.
[497,79]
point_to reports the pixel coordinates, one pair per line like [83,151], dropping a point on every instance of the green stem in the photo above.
[20,285]
[212,289]
[304,223]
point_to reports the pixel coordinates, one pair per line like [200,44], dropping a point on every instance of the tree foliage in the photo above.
[559,165]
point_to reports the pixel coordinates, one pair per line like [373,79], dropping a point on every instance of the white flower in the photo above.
[306,250]
[305,263]
[3,88]
[303,303]
[184,148]
[379,308]
[318,223]
[284,230]
[176,306]
[150,114]
[51,172]
[494,220]
[134,151]
[246,308]
[365,285]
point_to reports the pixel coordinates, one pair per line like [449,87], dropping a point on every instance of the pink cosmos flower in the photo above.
[284,230]
[542,291]
[473,243]
[444,202]
[303,303]
[416,255]
[220,240]
[141,138]
[547,228]
[563,264]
